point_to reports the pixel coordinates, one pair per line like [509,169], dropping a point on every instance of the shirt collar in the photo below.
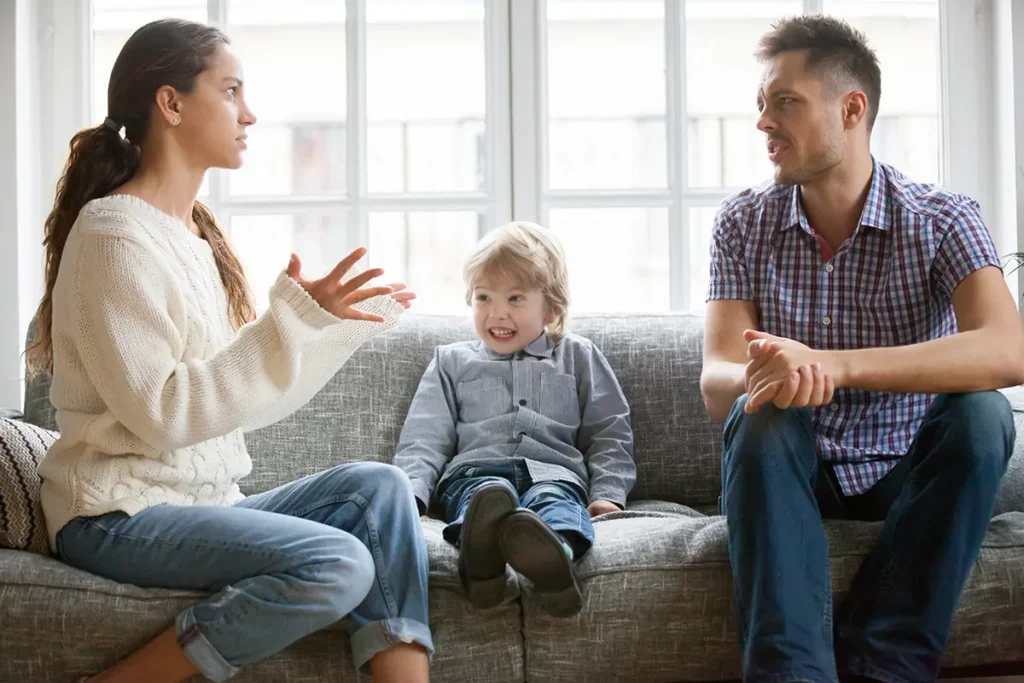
[541,347]
[875,213]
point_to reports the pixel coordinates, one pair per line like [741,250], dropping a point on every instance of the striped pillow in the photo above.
[22,446]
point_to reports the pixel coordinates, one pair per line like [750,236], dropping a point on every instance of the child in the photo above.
[523,434]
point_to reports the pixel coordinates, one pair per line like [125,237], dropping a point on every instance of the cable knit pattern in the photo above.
[152,385]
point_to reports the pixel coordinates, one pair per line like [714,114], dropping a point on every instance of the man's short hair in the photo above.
[834,49]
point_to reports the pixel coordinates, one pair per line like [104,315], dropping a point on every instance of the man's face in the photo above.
[801,119]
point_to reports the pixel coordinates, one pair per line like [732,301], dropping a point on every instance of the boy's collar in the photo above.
[541,347]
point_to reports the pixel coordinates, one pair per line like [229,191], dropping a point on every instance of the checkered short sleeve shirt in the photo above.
[890,284]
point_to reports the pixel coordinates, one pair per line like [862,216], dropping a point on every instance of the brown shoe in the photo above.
[535,551]
[481,563]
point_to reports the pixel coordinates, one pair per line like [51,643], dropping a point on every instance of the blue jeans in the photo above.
[561,504]
[936,503]
[281,565]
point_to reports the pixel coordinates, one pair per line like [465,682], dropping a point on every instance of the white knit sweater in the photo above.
[152,385]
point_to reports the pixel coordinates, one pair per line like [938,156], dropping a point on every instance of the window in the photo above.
[414,126]
[905,35]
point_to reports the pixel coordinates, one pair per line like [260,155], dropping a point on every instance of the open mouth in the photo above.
[501,333]
[776,149]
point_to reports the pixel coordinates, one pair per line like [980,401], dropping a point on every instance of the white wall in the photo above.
[1008,49]
[19,203]
[29,132]
[9,347]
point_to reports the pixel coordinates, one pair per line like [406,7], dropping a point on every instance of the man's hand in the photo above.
[785,373]
[601,507]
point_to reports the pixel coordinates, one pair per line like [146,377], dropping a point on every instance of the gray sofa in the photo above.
[657,589]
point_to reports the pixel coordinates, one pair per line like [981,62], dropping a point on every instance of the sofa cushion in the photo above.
[360,413]
[658,600]
[22,447]
[57,622]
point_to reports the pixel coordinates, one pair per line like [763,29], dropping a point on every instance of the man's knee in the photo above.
[768,416]
[766,422]
[982,424]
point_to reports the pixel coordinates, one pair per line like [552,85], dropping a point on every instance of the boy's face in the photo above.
[508,317]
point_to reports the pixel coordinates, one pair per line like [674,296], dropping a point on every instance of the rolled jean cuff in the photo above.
[199,650]
[376,637]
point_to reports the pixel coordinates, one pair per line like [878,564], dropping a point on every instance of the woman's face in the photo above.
[214,116]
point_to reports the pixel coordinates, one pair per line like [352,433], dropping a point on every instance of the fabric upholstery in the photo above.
[657,588]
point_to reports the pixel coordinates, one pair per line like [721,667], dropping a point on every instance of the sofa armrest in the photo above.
[1011,494]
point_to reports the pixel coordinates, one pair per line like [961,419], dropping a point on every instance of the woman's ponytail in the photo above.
[101,160]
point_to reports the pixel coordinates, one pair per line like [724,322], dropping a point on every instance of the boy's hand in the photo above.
[601,507]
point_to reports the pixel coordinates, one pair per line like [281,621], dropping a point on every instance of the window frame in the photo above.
[515,40]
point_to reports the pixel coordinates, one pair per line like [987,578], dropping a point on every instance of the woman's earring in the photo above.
[176,120]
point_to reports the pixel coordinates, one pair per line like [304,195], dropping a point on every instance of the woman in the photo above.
[158,366]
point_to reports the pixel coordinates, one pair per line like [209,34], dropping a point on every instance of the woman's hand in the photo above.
[339,296]
[402,295]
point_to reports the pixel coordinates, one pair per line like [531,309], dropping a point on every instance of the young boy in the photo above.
[523,434]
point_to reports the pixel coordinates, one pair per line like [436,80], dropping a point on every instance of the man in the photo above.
[856,328]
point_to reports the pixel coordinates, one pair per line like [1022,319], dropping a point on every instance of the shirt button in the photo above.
[826,321]
[833,407]
[522,401]
[829,268]
[826,441]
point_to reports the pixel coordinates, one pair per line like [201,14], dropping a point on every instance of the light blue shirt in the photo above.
[554,405]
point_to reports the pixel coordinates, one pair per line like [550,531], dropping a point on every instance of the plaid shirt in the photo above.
[889,284]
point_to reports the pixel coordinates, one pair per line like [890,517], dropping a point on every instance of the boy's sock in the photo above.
[567,547]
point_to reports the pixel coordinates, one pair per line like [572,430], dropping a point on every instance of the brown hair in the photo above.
[167,52]
[530,256]
[835,49]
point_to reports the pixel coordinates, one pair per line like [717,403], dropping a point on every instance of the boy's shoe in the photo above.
[538,553]
[481,564]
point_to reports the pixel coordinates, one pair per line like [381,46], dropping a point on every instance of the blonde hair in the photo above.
[530,256]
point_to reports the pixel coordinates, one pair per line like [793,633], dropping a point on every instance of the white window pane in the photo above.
[698,255]
[114,21]
[295,75]
[425,96]
[264,244]
[617,258]
[724,147]
[426,250]
[606,94]
[905,36]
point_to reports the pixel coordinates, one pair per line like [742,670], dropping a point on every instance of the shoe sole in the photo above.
[481,564]
[535,551]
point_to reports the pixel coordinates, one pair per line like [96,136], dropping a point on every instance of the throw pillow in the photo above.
[22,446]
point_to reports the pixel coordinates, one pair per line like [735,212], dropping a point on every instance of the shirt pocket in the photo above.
[480,399]
[558,398]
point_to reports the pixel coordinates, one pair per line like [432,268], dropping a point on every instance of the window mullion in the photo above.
[217,13]
[355,46]
[498,128]
[528,90]
[677,134]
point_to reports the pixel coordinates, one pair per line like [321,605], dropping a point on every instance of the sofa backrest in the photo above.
[359,414]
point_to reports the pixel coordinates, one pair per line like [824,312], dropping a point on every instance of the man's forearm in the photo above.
[721,383]
[977,360]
